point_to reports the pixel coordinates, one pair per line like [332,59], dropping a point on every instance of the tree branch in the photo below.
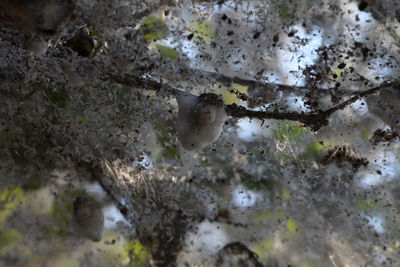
[141,82]
[315,119]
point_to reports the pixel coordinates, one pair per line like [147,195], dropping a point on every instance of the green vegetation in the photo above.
[10,199]
[315,149]
[8,240]
[263,249]
[167,52]
[365,205]
[204,31]
[229,95]
[154,28]
[137,253]
[289,131]
[291,226]
[169,148]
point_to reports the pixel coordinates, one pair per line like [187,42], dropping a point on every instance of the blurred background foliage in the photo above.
[291,196]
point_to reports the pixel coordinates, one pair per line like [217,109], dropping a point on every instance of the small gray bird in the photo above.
[200,119]
[88,218]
